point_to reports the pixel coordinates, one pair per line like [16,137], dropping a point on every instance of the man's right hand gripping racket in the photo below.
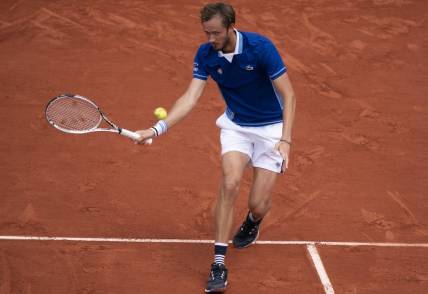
[76,114]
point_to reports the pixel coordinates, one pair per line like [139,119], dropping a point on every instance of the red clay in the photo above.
[358,168]
[101,268]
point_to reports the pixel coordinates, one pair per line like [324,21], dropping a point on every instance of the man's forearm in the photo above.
[186,102]
[288,115]
[180,110]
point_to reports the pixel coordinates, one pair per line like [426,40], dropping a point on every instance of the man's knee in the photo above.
[260,207]
[230,185]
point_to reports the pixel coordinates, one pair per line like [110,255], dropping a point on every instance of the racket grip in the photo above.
[134,136]
[129,134]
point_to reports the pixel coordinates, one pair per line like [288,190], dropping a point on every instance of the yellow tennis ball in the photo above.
[160,113]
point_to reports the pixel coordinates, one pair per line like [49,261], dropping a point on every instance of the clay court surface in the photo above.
[358,167]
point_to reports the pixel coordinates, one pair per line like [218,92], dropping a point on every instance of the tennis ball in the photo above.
[160,113]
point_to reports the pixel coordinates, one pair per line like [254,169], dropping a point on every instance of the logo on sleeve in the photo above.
[220,71]
[195,67]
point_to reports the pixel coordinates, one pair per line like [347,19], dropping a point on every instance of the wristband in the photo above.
[155,132]
[286,141]
[159,128]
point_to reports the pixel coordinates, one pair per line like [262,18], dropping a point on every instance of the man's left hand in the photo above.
[284,149]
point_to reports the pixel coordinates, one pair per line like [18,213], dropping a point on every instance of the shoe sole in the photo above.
[221,290]
[248,245]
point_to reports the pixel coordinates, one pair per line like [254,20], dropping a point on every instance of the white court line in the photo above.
[120,240]
[334,243]
[316,259]
[190,241]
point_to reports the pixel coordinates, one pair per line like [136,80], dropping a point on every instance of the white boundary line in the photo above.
[190,241]
[316,259]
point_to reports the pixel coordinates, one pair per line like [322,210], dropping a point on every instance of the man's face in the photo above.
[217,33]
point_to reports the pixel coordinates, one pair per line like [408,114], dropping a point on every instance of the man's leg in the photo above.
[260,199]
[259,204]
[233,166]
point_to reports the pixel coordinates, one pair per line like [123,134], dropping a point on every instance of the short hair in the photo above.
[225,11]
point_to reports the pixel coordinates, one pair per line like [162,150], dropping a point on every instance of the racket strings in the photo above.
[74,114]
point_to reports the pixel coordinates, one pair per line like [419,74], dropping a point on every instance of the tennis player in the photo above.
[255,128]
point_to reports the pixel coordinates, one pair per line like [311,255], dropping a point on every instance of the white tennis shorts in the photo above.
[256,142]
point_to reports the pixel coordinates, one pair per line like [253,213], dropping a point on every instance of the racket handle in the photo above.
[134,136]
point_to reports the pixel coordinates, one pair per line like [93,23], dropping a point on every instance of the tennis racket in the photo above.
[76,114]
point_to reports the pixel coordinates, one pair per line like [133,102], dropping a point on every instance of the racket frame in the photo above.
[114,128]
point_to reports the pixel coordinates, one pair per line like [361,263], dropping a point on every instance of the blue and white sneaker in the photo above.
[217,280]
[247,233]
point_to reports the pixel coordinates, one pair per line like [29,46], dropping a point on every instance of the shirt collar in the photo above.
[238,45]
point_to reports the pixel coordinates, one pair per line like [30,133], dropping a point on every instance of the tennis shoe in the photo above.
[217,280]
[247,233]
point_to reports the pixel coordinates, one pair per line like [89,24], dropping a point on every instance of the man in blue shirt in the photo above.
[255,128]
